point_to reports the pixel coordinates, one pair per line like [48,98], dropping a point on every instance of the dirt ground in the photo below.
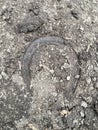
[62,75]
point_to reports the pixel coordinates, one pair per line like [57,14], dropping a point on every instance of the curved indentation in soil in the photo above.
[51,40]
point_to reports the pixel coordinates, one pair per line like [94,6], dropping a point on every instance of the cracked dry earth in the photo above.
[48,65]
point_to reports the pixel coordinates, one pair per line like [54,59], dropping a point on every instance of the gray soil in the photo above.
[56,87]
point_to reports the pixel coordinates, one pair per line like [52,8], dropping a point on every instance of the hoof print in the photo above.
[62,64]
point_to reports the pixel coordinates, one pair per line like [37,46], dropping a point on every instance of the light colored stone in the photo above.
[0,77]
[17,79]
[94,79]
[64,112]
[82,114]
[96,85]
[88,80]
[77,76]
[84,104]
[68,77]
[75,121]
[96,69]
[4,75]
[31,126]
[65,66]
[81,28]
[89,99]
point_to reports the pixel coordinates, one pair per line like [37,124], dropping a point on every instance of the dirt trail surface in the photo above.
[49,65]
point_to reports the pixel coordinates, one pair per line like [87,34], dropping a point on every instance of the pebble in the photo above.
[96,69]
[75,121]
[32,127]
[81,28]
[84,104]
[51,71]
[89,99]
[96,85]
[82,114]
[4,7]
[0,77]
[68,77]
[94,79]
[74,14]
[4,75]
[64,112]
[17,79]
[77,76]
[88,80]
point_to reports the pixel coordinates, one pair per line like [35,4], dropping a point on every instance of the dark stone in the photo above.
[74,14]
[34,7]
[30,24]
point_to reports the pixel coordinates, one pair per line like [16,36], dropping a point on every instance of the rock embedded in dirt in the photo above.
[84,104]
[75,14]
[34,7]
[30,24]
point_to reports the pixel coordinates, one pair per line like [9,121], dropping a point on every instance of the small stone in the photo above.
[75,121]
[31,126]
[91,88]
[34,8]
[96,85]
[68,77]
[96,69]
[65,66]
[94,79]
[64,112]
[51,71]
[29,24]
[4,75]
[77,76]
[81,28]
[88,80]
[4,7]
[0,77]
[82,114]
[74,14]
[17,79]
[89,99]
[84,104]
[69,6]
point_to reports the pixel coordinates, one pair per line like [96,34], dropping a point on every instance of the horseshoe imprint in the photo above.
[59,42]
